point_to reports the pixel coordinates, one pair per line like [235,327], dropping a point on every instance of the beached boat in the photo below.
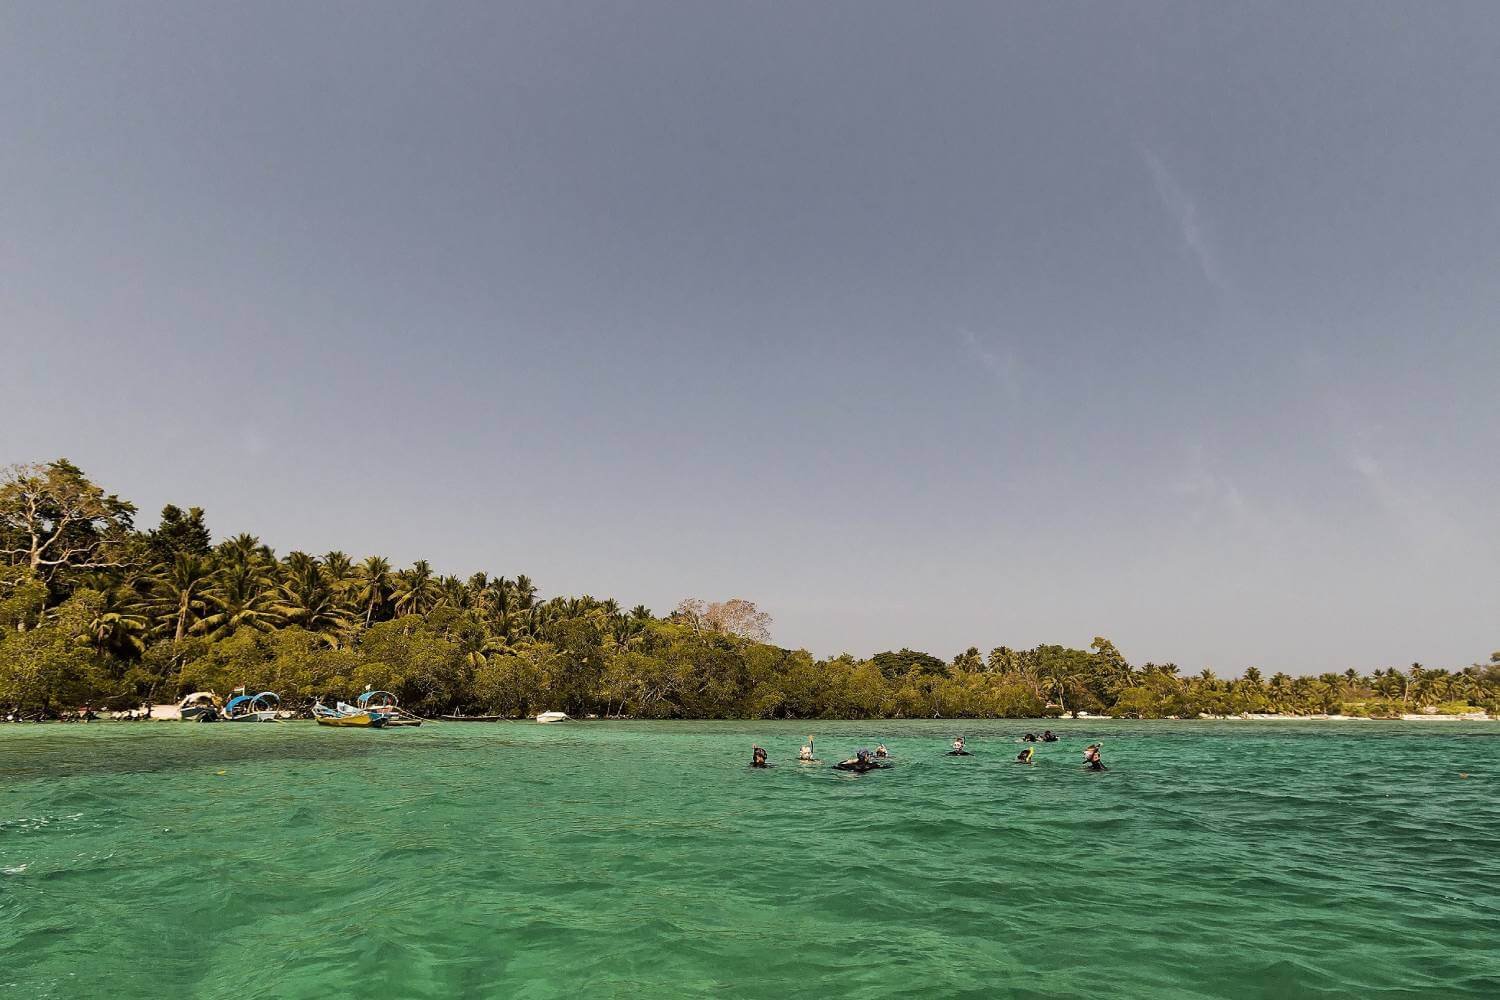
[200,706]
[252,707]
[472,718]
[553,717]
[348,715]
[386,704]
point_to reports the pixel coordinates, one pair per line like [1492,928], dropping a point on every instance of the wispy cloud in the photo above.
[1420,517]
[1183,210]
[1002,364]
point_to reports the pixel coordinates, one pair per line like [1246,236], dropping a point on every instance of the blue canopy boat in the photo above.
[260,707]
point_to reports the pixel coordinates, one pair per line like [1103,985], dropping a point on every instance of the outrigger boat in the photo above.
[200,706]
[386,704]
[252,707]
[348,715]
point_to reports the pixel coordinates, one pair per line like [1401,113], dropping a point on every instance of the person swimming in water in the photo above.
[1091,759]
[758,757]
[1029,738]
[1049,737]
[806,753]
[881,753]
[958,748]
[860,763]
[1024,757]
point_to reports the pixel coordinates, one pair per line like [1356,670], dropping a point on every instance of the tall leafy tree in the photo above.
[54,521]
[179,532]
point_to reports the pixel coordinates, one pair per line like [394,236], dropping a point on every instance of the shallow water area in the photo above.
[1213,859]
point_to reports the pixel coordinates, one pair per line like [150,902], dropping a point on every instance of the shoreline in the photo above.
[1038,720]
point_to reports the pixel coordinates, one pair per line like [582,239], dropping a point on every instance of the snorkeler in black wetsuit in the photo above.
[758,758]
[1024,757]
[1048,737]
[1029,738]
[1091,758]
[958,748]
[860,763]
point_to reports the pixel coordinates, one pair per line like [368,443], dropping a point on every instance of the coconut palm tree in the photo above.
[305,598]
[416,590]
[241,596]
[339,569]
[1412,678]
[178,592]
[452,593]
[373,586]
[118,627]
[244,548]
[525,592]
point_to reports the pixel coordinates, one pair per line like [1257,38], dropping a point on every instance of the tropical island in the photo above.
[95,611]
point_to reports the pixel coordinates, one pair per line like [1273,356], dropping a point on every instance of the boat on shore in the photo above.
[549,717]
[200,706]
[262,707]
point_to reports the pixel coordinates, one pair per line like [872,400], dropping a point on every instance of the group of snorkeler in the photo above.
[874,760]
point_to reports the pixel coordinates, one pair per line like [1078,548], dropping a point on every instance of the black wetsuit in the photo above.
[958,753]
[859,766]
[1096,765]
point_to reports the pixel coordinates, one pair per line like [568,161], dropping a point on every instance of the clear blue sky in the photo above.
[918,324]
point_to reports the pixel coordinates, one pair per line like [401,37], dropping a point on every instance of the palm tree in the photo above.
[299,564]
[1280,682]
[339,569]
[240,597]
[525,592]
[307,599]
[474,589]
[117,627]
[373,585]
[452,593]
[1414,676]
[416,590]
[179,592]
[244,548]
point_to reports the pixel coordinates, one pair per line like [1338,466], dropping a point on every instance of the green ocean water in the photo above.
[645,860]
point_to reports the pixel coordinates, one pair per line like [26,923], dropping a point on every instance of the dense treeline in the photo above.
[95,611]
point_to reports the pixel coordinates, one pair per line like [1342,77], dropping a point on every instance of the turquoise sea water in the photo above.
[1250,859]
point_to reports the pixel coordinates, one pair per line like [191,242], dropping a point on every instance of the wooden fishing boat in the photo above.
[364,720]
[386,704]
[348,716]
[472,718]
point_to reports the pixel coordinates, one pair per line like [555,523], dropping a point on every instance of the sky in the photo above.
[927,325]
